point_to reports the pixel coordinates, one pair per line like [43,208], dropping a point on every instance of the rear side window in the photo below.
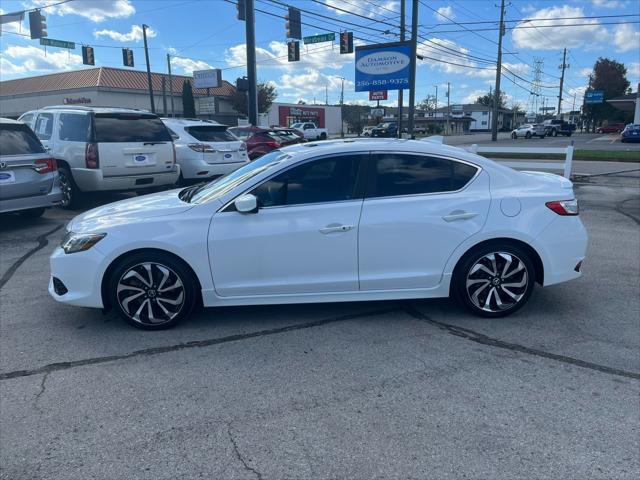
[73,127]
[44,126]
[18,140]
[211,134]
[318,181]
[126,127]
[397,174]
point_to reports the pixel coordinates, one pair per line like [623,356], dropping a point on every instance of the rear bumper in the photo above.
[89,180]
[27,203]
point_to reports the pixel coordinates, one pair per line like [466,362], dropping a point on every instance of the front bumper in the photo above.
[81,274]
[90,180]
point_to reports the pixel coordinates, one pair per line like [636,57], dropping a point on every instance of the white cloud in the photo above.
[320,56]
[626,38]
[32,59]
[608,3]
[559,36]
[312,82]
[368,9]
[473,96]
[94,10]
[633,73]
[135,35]
[585,72]
[188,65]
[444,14]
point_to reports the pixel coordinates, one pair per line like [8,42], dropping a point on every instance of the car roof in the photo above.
[190,122]
[81,108]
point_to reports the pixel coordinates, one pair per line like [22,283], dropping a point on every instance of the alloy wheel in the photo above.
[150,293]
[497,282]
[65,188]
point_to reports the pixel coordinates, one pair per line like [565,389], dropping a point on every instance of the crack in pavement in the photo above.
[494,342]
[53,367]
[42,390]
[239,455]
[42,240]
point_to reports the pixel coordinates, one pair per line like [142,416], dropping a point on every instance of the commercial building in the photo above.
[114,87]
[480,116]
[286,114]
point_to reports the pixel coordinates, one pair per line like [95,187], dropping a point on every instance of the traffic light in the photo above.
[346,42]
[87,56]
[294,23]
[241,7]
[293,51]
[242,84]
[37,24]
[127,57]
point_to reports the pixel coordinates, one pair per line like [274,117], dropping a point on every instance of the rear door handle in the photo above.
[459,215]
[335,228]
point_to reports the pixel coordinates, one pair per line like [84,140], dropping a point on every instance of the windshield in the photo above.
[296,125]
[218,188]
[211,134]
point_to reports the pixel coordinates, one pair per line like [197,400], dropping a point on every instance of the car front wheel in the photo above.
[152,291]
[528,135]
[495,281]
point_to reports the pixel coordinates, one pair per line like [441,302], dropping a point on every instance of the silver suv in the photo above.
[28,175]
[100,149]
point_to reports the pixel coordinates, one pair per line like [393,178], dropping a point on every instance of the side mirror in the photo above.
[247,203]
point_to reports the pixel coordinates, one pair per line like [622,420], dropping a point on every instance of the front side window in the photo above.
[395,174]
[74,127]
[130,127]
[319,181]
[44,126]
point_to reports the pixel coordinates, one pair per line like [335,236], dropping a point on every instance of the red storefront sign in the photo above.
[377,95]
[300,113]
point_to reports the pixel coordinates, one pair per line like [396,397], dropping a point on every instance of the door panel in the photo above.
[282,250]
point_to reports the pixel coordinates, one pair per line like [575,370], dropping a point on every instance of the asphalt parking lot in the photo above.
[370,390]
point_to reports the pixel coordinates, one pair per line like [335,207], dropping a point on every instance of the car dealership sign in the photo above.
[383,66]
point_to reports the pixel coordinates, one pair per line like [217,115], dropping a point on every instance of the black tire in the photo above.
[71,194]
[32,213]
[527,135]
[555,133]
[323,136]
[503,304]
[133,310]
[514,136]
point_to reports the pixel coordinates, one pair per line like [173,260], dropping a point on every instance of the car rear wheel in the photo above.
[152,291]
[70,192]
[514,136]
[527,135]
[495,281]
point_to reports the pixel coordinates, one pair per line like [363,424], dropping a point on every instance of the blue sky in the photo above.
[205,33]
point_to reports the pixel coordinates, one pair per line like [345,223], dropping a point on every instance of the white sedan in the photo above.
[330,221]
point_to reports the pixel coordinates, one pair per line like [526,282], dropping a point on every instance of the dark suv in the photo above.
[387,129]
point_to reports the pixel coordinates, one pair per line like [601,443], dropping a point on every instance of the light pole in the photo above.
[146,55]
[436,96]
[341,108]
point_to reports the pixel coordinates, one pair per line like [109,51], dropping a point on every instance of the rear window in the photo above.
[18,140]
[211,134]
[126,127]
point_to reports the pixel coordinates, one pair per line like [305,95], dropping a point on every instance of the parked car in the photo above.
[311,131]
[105,149]
[529,130]
[298,225]
[259,140]
[290,136]
[205,149]
[29,180]
[631,133]
[554,127]
[366,131]
[387,129]
[611,128]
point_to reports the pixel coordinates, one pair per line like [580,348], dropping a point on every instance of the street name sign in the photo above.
[325,37]
[50,42]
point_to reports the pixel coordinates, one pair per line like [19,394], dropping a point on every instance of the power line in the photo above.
[539,19]
[538,26]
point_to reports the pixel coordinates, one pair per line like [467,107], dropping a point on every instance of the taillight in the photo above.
[45,165]
[201,147]
[91,158]
[564,207]
[272,144]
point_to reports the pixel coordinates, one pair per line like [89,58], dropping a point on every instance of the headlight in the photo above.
[79,242]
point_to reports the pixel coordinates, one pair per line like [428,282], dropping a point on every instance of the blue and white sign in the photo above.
[597,96]
[383,67]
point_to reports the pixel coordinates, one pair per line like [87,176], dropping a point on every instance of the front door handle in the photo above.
[335,228]
[459,215]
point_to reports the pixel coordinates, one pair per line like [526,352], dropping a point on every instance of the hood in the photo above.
[129,211]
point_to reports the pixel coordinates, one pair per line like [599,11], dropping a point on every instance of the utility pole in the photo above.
[252,76]
[414,61]
[342,109]
[436,109]
[326,94]
[573,109]
[173,111]
[403,14]
[562,67]
[164,96]
[146,56]
[494,120]
[448,105]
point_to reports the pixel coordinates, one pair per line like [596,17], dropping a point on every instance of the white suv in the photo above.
[100,149]
[205,149]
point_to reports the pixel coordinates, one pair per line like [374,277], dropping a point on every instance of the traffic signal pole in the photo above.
[403,13]
[250,31]
[414,60]
[146,56]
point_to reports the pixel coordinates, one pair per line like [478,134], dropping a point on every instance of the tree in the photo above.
[188,103]
[610,77]
[428,104]
[489,98]
[355,116]
[266,95]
